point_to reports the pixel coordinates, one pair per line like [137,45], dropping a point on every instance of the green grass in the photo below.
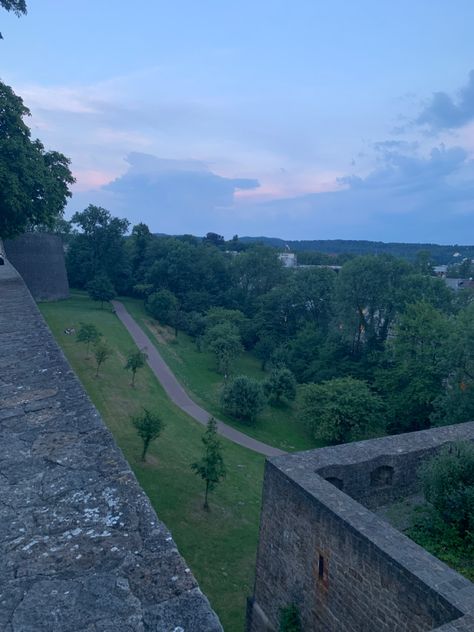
[277,425]
[219,546]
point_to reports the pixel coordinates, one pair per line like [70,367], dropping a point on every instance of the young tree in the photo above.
[341,409]
[224,341]
[149,426]
[243,398]
[101,289]
[211,466]
[135,360]
[88,333]
[34,183]
[280,383]
[102,353]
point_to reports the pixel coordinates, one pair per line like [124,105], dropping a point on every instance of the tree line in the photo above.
[381,346]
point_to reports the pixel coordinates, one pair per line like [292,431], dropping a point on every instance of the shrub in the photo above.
[243,398]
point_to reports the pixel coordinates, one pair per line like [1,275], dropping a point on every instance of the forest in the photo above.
[382,346]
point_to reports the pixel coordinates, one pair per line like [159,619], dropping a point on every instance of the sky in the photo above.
[300,120]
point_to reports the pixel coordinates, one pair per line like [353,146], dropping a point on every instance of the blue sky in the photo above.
[305,120]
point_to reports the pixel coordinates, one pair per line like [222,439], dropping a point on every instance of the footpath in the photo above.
[176,392]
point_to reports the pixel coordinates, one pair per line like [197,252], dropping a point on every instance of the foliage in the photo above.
[243,398]
[101,289]
[281,383]
[102,353]
[448,485]
[290,620]
[33,182]
[99,248]
[149,426]
[341,409]
[224,342]
[413,377]
[17,6]
[164,306]
[88,333]
[135,360]
[211,466]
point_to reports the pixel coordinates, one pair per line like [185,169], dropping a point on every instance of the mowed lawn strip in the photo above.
[219,546]
[196,370]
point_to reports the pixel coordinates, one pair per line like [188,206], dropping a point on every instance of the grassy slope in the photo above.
[220,546]
[277,426]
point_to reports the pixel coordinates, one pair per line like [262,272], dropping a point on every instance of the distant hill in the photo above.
[439,254]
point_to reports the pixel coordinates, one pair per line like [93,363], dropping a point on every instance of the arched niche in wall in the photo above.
[382,476]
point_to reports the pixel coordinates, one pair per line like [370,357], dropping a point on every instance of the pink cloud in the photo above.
[87,179]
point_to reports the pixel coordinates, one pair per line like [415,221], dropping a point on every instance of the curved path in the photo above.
[177,393]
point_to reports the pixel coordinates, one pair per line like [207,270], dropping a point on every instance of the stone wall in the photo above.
[39,258]
[344,567]
[81,548]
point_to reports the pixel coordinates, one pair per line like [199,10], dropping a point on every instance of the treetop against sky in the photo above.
[318,120]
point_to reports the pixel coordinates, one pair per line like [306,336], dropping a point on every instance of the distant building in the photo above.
[459,284]
[440,271]
[288,259]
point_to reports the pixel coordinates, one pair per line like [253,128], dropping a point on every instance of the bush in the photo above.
[281,383]
[243,398]
[448,485]
[341,409]
[290,619]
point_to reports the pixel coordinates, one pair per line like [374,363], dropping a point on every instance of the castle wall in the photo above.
[39,258]
[81,547]
[344,567]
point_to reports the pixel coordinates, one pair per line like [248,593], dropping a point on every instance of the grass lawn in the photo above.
[277,425]
[219,546]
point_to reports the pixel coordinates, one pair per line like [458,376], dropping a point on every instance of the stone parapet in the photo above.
[81,548]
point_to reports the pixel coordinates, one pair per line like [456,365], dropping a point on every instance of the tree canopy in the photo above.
[34,183]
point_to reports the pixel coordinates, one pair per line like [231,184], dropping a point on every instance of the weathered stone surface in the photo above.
[39,258]
[345,568]
[81,548]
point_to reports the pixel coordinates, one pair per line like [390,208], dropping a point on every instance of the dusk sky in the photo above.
[300,120]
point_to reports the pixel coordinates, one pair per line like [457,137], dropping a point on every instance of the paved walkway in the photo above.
[177,393]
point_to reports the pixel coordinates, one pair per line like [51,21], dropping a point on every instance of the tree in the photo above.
[224,341]
[211,466]
[88,333]
[448,485]
[135,360]
[17,6]
[99,248]
[280,383]
[164,306]
[149,426]
[33,182]
[413,377]
[341,409]
[102,353]
[367,297]
[101,289]
[243,398]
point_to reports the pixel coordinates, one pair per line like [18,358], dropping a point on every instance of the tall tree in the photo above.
[101,289]
[98,248]
[34,183]
[16,6]
[211,466]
